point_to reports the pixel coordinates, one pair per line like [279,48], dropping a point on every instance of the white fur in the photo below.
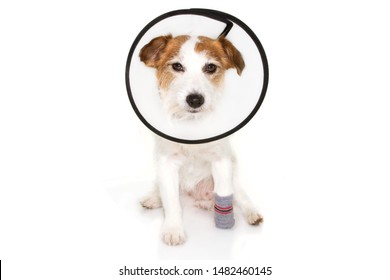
[193,168]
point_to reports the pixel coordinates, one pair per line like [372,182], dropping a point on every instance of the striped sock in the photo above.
[223,211]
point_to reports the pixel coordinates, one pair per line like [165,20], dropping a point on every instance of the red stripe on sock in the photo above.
[223,208]
[224,211]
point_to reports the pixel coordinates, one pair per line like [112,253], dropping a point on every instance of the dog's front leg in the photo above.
[168,179]
[222,171]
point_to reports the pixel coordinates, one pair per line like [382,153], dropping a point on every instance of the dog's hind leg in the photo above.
[204,204]
[242,200]
[203,193]
[152,200]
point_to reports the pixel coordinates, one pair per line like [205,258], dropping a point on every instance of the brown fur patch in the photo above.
[223,51]
[151,52]
[158,52]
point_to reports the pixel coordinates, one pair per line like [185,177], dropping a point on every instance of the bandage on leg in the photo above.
[223,211]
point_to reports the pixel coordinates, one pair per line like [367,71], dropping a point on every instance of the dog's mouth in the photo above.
[190,114]
[194,111]
[194,107]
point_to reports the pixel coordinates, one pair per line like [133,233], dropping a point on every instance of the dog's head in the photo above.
[190,71]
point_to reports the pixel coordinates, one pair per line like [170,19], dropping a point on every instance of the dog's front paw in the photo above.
[151,202]
[173,236]
[254,218]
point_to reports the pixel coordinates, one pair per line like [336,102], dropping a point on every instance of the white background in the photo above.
[74,159]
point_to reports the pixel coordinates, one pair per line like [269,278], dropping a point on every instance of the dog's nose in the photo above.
[195,100]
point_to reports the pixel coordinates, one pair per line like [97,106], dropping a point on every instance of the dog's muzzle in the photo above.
[195,100]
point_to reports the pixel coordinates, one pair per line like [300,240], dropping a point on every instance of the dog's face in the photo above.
[190,71]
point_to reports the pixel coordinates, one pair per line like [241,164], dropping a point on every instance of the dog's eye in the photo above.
[210,68]
[177,67]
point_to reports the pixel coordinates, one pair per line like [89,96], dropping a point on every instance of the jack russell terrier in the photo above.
[190,75]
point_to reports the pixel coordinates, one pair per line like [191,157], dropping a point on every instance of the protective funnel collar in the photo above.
[202,79]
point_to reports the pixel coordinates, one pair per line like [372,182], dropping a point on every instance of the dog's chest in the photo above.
[196,166]
[195,161]
[193,171]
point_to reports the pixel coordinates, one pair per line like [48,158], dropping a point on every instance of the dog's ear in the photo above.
[233,55]
[150,53]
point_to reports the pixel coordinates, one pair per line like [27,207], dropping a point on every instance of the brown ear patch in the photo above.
[233,54]
[222,50]
[150,53]
[161,49]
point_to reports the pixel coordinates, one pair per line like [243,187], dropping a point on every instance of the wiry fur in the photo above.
[185,66]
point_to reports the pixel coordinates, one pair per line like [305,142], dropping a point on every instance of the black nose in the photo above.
[195,100]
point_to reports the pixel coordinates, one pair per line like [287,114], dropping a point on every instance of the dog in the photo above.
[190,75]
